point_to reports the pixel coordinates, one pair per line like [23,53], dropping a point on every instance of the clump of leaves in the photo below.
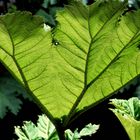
[46,130]
[10,90]
[128,112]
[129,107]
[43,130]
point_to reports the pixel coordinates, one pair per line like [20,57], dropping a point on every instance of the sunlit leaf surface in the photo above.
[93,52]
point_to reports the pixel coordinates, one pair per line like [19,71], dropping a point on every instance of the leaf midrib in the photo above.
[86,86]
[94,80]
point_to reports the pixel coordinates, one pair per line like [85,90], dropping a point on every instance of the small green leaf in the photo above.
[46,129]
[128,112]
[48,18]
[45,3]
[27,132]
[129,107]
[43,130]
[69,134]
[88,130]
[9,92]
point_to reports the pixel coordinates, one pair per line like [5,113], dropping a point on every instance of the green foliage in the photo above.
[10,91]
[30,132]
[50,6]
[129,107]
[92,53]
[45,130]
[128,112]
[88,130]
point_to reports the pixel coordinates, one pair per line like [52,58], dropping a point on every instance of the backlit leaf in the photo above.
[92,53]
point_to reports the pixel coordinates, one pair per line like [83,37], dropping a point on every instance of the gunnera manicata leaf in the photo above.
[92,53]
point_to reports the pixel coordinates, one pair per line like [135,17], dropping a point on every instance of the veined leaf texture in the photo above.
[92,52]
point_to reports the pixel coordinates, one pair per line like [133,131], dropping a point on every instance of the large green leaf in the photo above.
[91,53]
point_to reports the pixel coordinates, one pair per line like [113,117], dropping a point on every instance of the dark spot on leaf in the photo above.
[55,42]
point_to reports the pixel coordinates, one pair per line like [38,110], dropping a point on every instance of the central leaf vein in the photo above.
[86,86]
